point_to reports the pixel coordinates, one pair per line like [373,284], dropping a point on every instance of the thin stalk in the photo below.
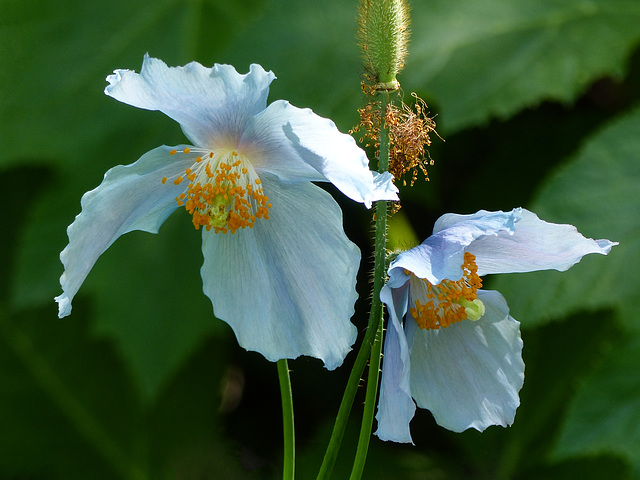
[288,470]
[376,306]
[369,405]
[345,406]
[375,314]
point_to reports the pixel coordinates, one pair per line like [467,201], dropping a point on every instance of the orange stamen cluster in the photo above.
[442,306]
[224,193]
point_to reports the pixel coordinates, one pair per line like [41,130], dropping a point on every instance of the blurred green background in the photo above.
[538,102]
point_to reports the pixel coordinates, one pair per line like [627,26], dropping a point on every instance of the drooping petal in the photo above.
[213,105]
[130,197]
[287,286]
[469,374]
[395,405]
[441,255]
[534,245]
[297,145]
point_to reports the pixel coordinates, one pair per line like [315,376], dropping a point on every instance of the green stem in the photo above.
[288,471]
[385,145]
[369,404]
[375,317]
[345,406]
[379,278]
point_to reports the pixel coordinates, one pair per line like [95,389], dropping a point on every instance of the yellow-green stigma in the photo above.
[224,192]
[449,302]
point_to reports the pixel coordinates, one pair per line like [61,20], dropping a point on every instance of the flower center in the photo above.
[438,306]
[224,192]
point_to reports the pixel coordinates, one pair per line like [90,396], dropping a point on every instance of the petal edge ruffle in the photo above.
[287,286]
[212,105]
[303,146]
[440,256]
[534,245]
[469,374]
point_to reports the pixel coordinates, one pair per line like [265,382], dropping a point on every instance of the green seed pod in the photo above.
[383,35]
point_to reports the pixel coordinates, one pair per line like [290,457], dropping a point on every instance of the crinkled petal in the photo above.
[469,374]
[481,217]
[298,145]
[395,405]
[534,245]
[383,187]
[287,286]
[213,105]
[130,197]
[441,255]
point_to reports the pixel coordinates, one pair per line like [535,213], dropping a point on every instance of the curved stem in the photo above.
[375,317]
[379,279]
[345,406]
[369,404]
[288,470]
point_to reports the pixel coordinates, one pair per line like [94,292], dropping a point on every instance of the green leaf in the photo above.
[69,409]
[312,50]
[584,468]
[56,422]
[148,298]
[480,59]
[598,191]
[603,416]
[556,356]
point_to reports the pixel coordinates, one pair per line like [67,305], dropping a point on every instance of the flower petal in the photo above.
[383,187]
[287,286]
[469,374]
[130,197]
[299,145]
[395,405]
[265,143]
[491,221]
[441,255]
[213,105]
[534,245]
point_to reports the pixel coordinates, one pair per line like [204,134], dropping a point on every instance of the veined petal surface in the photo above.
[534,245]
[213,105]
[482,218]
[469,374]
[311,140]
[130,197]
[441,255]
[395,405]
[270,150]
[287,286]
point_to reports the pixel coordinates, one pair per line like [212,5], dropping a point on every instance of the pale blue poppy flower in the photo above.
[450,346]
[277,265]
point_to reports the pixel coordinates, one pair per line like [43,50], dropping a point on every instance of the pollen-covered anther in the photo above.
[224,192]
[449,302]
[409,135]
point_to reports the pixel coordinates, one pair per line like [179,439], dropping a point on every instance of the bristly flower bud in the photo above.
[383,35]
